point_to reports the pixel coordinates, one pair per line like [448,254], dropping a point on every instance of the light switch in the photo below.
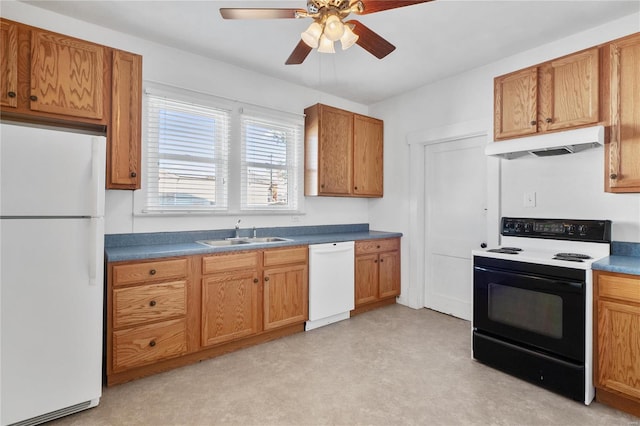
[529,199]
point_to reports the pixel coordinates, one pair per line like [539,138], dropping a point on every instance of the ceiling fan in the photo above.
[328,25]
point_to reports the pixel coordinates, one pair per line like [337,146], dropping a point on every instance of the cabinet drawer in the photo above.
[229,262]
[137,305]
[376,246]
[149,271]
[285,256]
[148,343]
[619,287]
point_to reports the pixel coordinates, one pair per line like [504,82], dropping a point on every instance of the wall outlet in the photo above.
[529,199]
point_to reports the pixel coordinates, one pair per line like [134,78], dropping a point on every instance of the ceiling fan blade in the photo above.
[247,13]
[370,41]
[372,6]
[299,54]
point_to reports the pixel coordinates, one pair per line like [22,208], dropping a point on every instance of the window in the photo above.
[271,147]
[194,164]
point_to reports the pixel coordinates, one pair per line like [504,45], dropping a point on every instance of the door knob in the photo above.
[483,245]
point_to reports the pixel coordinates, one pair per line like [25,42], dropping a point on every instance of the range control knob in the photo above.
[528,227]
[572,229]
[583,229]
[518,227]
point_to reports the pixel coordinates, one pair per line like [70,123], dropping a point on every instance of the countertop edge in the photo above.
[618,264]
[157,251]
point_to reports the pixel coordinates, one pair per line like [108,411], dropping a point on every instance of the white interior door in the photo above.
[455,214]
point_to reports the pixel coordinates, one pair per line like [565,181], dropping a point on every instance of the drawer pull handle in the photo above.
[152,343]
[152,272]
[266,279]
[11,94]
[152,303]
[377,246]
[33,98]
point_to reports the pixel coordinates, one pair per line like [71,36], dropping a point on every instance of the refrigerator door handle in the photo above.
[98,170]
[96,242]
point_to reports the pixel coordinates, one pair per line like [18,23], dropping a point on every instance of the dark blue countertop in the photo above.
[121,247]
[624,259]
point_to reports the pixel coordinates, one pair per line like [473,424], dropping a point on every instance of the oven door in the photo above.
[538,306]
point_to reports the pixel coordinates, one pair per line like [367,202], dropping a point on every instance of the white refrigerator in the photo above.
[51,272]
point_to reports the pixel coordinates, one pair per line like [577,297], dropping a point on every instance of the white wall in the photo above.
[566,186]
[174,67]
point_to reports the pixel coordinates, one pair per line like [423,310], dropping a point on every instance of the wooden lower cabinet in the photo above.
[166,313]
[617,337]
[377,273]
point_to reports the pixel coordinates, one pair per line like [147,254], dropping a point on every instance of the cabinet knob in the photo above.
[322,186]
[533,122]
[255,280]
[548,120]
[11,94]
[133,174]
[375,261]
[152,272]
[152,343]
[356,188]
[266,279]
[33,98]
[613,176]
[152,303]
[381,260]
[378,246]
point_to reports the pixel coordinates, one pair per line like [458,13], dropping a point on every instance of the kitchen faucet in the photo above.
[238,228]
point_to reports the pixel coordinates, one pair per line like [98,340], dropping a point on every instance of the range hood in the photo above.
[548,144]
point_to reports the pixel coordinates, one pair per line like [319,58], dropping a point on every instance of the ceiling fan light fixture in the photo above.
[326,45]
[333,28]
[349,38]
[312,35]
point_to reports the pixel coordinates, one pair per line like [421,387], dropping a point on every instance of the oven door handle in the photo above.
[573,284]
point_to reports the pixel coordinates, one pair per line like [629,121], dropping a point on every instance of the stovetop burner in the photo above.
[505,250]
[572,257]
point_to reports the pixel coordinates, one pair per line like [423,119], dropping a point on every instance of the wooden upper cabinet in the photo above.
[66,75]
[343,153]
[516,104]
[569,91]
[556,95]
[621,60]
[367,156]
[8,64]
[123,170]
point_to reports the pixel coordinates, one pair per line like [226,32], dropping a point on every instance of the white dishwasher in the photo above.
[331,283]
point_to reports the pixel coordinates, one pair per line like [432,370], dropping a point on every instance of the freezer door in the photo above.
[46,172]
[51,285]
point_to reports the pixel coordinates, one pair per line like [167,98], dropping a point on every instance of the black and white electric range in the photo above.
[532,302]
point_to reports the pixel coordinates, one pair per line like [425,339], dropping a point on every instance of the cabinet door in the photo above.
[389,274]
[335,151]
[619,348]
[622,163]
[285,296]
[367,156]
[66,76]
[515,104]
[124,130]
[569,91]
[229,307]
[8,64]
[366,279]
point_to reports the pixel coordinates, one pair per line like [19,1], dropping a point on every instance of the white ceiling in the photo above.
[433,40]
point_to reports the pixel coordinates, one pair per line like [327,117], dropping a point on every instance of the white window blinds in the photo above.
[270,159]
[187,155]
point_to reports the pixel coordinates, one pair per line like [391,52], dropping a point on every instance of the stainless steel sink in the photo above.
[236,241]
[266,239]
[222,243]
